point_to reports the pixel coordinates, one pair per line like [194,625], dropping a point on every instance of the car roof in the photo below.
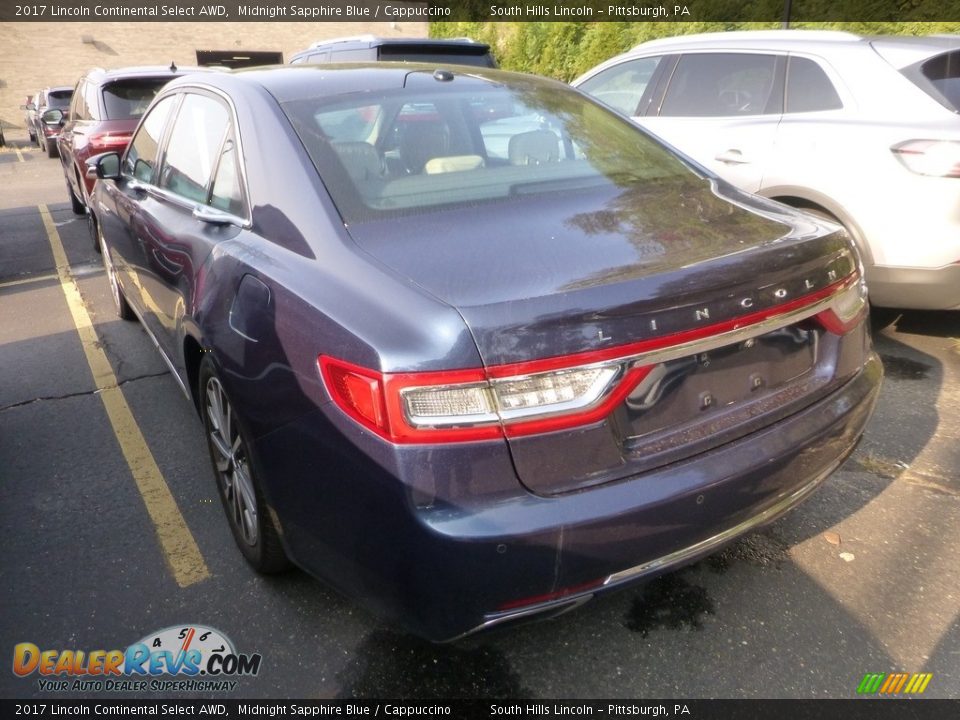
[376,41]
[898,50]
[294,82]
[173,70]
[792,38]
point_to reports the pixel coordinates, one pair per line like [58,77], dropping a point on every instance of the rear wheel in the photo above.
[250,522]
[51,147]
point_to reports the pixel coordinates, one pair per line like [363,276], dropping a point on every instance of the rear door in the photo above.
[723,109]
[199,172]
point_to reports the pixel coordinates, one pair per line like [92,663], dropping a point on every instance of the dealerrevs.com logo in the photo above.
[178,658]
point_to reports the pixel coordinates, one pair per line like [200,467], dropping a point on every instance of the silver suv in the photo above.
[863,130]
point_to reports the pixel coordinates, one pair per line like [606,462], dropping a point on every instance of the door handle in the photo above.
[732,157]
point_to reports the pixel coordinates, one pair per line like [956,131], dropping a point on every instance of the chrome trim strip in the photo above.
[679,556]
[713,342]
[652,357]
[555,607]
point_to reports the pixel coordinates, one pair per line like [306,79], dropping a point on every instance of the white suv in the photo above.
[864,130]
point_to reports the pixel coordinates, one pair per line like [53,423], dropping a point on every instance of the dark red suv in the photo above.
[106,107]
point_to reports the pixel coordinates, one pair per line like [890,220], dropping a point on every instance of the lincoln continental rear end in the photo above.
[468,346]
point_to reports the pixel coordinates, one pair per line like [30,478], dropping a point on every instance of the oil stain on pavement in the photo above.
[901,368]
[669,602]
[763,548]
[391,664]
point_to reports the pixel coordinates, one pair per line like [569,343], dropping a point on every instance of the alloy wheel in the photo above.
[231,461]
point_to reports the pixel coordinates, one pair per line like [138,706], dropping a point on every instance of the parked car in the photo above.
[46,133]
[29,113]
[106,107]
[862,130]
[366,48]
[470,387]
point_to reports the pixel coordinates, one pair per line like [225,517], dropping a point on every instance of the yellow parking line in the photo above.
[19,154]
[179,548]
[27,281]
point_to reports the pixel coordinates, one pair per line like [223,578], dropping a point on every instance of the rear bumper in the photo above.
[445,570]
[915,288]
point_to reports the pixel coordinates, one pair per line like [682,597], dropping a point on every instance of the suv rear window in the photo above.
[59,99]
[126,99]
[943,74]
[457,55]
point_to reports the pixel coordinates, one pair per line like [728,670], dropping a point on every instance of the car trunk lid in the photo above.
[612,273]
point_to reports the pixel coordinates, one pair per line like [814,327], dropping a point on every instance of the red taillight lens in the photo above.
[461,405]
[936,158]
[102,142]
[847,309]
[357,391]
[546,395]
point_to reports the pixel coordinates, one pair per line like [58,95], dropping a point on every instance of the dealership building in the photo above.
[35,55]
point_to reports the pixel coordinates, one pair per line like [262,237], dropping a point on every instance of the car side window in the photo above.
[90,101]
[78,105]
[352,55]
[721,85]
[622,86]
[194,146]
[808,88]
[226,193]
[141,157]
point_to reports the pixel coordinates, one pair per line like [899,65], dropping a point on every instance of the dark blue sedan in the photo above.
[469,346]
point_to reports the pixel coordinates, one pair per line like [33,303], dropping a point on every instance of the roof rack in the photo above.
[349,38]
[760,35]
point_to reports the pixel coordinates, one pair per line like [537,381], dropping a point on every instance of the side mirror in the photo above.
[105,166]
[53,117]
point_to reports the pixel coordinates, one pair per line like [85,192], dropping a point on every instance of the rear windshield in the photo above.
[127,99]
[419,150]
[941,79]
[59,99]
[458,56]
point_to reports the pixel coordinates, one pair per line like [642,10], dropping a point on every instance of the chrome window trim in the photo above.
[246,221]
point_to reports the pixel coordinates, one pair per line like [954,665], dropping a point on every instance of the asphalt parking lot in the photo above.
[111,529]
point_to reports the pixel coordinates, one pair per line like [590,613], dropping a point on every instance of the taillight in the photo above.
[461,405]
[937,158]
[552,394]
[847,309]
[102,142]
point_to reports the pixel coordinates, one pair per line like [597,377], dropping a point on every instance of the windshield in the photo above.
[410,150]
[128,99]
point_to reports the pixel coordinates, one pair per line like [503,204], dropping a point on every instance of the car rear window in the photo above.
[130,98]
[943,75]
[415,150]
[59,99]
[454,55]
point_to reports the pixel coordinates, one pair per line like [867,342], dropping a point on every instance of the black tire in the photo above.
[120,304]
[243,503]
[33,136]
[92,231]
[51,147]
[76,204]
